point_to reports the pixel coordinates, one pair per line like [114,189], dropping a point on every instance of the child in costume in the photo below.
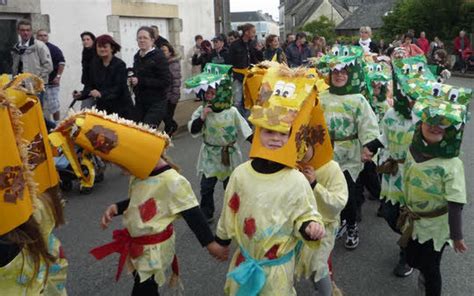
[352,126]
[31,258]
[266,217]
[330,190]
[220,125]
[434,189]
[158,195]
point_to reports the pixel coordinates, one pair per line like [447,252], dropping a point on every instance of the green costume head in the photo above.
[449,115]
[216,76]
[410,75]
[377,73]
[344,57]
[446,92]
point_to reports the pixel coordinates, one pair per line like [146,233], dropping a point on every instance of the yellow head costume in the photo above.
[21,93]
[288,103]
[17,187]
[136,148]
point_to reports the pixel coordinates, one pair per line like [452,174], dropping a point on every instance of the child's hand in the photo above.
[206,111]
[460,246]
[315,230]
[308,172]
[217,251]
[366,155]
[108,215]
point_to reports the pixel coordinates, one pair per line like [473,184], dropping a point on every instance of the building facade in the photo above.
[263,22]
[178,20]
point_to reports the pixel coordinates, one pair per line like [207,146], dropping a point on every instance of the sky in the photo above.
[270,6]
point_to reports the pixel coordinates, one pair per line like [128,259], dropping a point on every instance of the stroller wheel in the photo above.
[65,185]
[85,190]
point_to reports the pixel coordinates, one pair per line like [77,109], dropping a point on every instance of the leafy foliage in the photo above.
[322,27]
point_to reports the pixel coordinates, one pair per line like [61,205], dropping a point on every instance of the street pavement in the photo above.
[364,271]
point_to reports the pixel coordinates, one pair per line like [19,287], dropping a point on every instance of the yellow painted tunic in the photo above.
[429,186]
[331,197]
[349,116]
[56,282]
[263,214]
[155,203]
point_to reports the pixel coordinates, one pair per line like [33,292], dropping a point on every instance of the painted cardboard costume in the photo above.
[429,185]
[220,152]
[28,189]
[378,73]
[264,263]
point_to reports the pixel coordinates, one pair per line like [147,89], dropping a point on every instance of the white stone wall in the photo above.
[69,18]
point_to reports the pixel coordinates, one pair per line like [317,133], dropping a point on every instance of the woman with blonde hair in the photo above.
[365,42]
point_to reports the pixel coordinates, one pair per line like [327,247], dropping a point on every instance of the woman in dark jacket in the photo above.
[89,53]
[273,51]
[151,79]
[107,81]
[174,90]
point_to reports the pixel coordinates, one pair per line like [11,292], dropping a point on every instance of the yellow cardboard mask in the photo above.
[21,92]
[287,98]
[17,187]
[137,148]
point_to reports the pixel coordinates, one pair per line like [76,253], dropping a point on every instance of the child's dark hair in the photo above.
[234,34]
[87,33]
[28,236]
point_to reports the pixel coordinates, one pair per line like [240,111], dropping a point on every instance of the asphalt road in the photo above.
[364,271]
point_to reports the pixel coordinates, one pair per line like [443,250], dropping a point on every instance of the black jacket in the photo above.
[153,75]
[221,57]
[201,60]
[297,57]
[242,55]
[88,54]
[111,82]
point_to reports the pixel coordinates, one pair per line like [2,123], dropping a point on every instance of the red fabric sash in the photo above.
[126,245]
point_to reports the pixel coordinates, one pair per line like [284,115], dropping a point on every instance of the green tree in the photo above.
[322,27]
[436,17]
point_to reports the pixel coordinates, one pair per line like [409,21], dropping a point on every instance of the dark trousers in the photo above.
[424,258]
[349,213]
[151,113]
[369,179]
[391,214]
[207,194]
[170,125]
[147,288]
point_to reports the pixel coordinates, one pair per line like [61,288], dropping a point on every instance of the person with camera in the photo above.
[151,79]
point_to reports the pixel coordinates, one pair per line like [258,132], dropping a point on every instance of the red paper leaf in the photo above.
[272,253]
[234,202]
[240,259]
[148,209]
[250,227]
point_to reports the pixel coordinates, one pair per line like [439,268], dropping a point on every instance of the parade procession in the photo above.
[316,153]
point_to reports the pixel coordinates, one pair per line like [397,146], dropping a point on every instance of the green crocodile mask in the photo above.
[451,116]
[216,76]
[377,73]
[410,75]
[446,92]
[340,57]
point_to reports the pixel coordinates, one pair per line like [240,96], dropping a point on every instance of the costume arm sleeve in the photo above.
[225,227]
[198,224]
[374,145]
[455,220]
[455,186]
[305,212]
[242,124]
[331,189]
[196,123]
[122,206]
[367,126]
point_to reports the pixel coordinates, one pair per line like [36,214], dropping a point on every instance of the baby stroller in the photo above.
[74,164]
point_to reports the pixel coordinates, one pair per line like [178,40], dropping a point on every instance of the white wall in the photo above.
[68,19]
